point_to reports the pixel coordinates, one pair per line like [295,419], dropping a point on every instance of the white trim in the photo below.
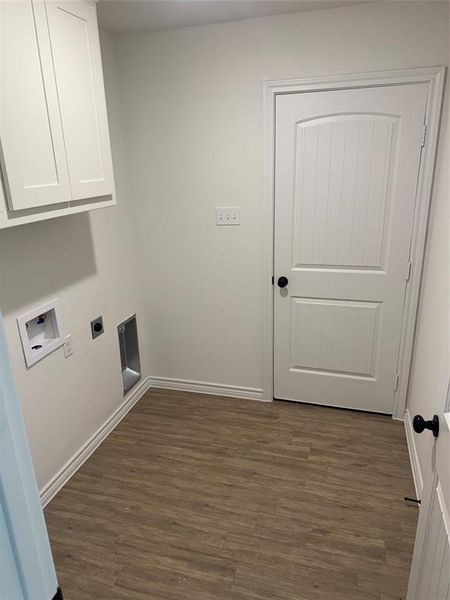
[71,467]
[203,387]
[419,236]
[413,455]
[434,77]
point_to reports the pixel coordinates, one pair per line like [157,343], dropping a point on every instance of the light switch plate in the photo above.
[228,215]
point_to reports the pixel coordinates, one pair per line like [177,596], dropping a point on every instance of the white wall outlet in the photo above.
[67,346]
[228,215]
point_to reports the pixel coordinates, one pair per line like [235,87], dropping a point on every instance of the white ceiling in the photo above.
[120,16]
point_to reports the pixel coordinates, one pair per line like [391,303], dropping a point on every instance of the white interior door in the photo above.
[76,52]
[26,564]
[430,570]
[33,155]
[346,168]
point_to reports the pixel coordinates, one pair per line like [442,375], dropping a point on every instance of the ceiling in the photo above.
[121,16]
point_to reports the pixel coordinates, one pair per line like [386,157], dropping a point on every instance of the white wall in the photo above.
[88,261]
[192,111]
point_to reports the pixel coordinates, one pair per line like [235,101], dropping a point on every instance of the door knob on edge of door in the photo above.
[419,424]
[282,281]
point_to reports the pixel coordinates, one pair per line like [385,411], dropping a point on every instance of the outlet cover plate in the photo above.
[97,327]
[67,346]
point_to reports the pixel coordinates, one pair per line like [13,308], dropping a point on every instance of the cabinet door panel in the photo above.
[76,52]
[32,146]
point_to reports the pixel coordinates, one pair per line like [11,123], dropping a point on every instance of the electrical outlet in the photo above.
[97,327]
[228,215]
[67,346]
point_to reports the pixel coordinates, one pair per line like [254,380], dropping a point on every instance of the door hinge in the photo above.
[273,279]
[397,381]
[408,271]
[424,135]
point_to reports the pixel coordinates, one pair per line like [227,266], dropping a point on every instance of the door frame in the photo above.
[434,77]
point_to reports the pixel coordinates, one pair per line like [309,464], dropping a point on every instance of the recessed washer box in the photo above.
[40,332]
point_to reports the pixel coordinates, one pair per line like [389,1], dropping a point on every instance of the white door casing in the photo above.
[346,170]
[33,155]
[430,569]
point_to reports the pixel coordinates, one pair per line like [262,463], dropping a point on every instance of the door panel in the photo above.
[346,168]
[341,194]
[334,336]
[430,570]
[76,52]
[435,579]
[33,155]
[9,574]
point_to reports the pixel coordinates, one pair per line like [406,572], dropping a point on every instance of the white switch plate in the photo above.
[228,215]
[67,346]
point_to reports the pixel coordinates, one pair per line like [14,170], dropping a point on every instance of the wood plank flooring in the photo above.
[197,497]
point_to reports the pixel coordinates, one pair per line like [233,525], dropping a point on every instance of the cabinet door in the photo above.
[32,147]
[76,53]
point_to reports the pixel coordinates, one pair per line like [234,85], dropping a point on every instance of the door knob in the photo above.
[282,282]
[419,424]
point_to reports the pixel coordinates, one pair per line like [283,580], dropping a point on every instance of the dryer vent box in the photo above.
[39,332]
[129,353]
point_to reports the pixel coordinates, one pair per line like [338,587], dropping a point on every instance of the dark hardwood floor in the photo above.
[199,497]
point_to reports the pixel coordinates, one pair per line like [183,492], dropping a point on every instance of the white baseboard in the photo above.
[202,387]
[72,465]
[413,455]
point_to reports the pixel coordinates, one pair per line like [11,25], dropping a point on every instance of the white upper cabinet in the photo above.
[76,53]
[54,139]
[34,162]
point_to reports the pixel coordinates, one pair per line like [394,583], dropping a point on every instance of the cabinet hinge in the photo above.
[424,135]
[397,381]
[408,271]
